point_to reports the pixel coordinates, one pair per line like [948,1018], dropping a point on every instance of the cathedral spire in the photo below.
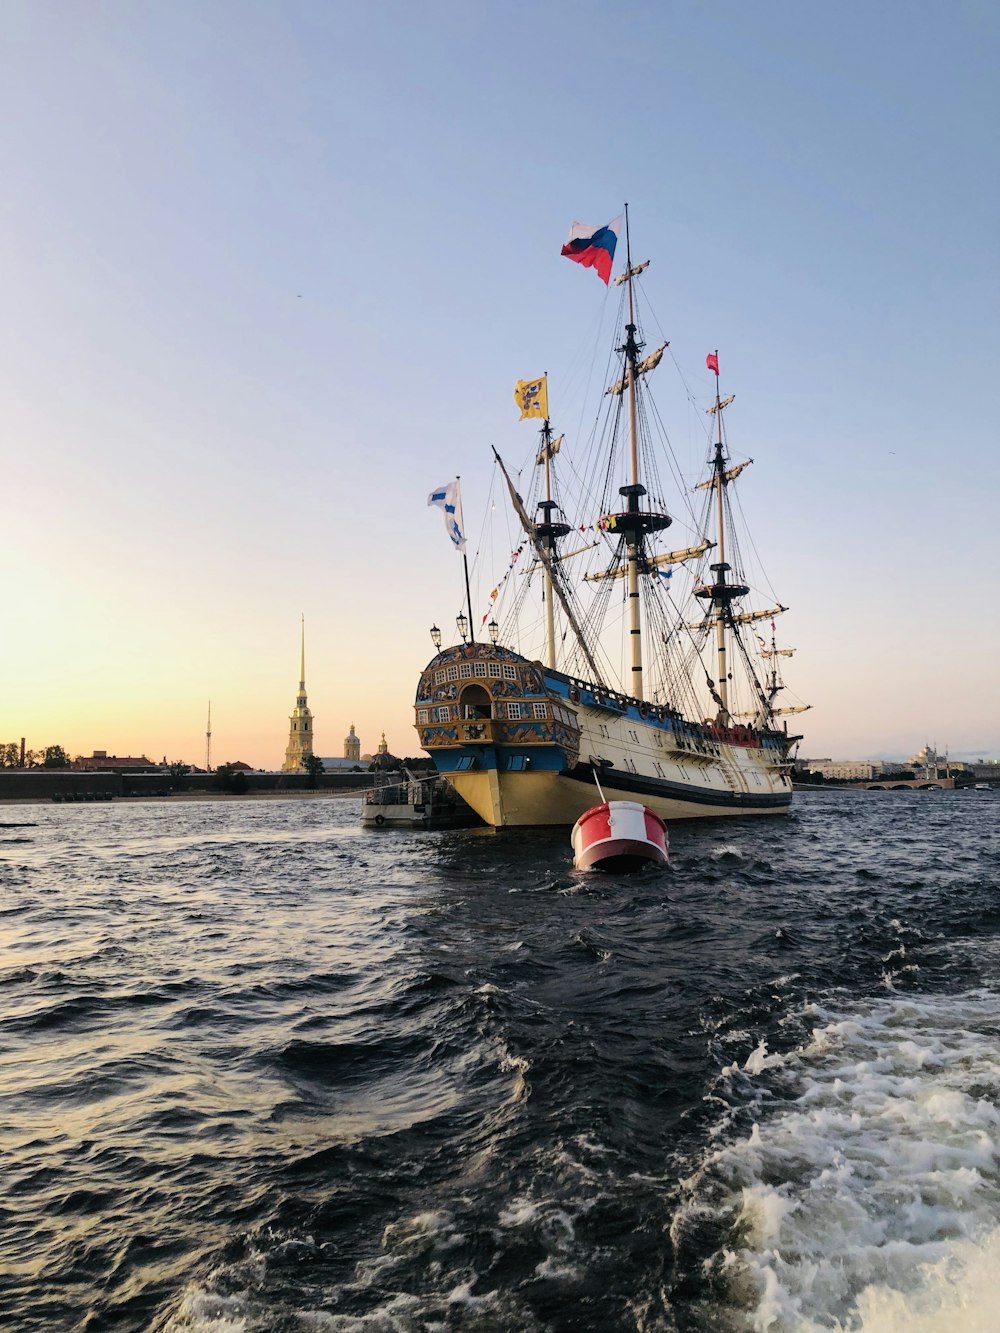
[300,728]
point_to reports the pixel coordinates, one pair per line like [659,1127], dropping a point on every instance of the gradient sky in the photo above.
[271,271]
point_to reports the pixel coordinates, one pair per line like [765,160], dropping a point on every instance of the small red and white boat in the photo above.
[618,836]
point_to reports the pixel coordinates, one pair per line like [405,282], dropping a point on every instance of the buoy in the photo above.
[618,836]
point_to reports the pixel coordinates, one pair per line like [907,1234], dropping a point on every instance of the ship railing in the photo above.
[416,792]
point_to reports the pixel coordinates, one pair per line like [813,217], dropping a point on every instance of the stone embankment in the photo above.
[43,784]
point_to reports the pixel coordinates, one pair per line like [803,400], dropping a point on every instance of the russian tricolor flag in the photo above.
[593,248]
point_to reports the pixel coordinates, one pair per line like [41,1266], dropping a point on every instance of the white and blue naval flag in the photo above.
[449,499]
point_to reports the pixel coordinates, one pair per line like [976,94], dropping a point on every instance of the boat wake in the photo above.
[866,1195]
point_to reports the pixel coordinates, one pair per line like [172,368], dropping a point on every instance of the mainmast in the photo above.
[720,594]
[635,522]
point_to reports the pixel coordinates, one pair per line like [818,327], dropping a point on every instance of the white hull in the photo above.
[549,799]
[527,750]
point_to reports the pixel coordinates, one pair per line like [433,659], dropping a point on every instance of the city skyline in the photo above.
[272,277]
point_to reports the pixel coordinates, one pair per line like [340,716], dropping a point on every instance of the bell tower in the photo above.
[300,731]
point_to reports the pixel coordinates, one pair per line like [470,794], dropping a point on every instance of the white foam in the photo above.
[555,1269]
[867,1196]
[398,1315]
[519,1213]
[204,1312]
[758,1060]
[423,1232]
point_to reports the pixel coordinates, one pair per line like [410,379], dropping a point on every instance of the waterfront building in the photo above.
[300,730]
[352,745]
[929,764]
[102,762]
[352,756]
[855,770]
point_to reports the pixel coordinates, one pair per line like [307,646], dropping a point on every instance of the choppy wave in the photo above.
[261,1071]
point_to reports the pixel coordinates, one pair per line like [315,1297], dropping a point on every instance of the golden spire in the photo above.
[300,740]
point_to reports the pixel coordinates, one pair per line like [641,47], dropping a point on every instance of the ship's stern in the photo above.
[497,732]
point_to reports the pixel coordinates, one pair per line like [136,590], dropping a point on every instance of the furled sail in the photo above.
[549,450]
[744,617]
[717,407]
[643,368]
[632,272]
[732,472]
[559,556]
[668,558]
[777,712]
[747,617]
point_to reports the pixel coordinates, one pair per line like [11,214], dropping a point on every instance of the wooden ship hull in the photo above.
[522,743]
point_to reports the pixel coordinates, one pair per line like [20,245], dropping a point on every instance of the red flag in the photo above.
[712,361]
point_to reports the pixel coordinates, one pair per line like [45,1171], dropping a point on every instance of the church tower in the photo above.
[300,732]
[352,745]
[383,746]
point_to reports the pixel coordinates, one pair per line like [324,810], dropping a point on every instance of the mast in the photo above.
[468,598]
[720,594]
[634,490]
[468,594]
[550,624]
[549,531]
[721,566]
[635,523]
[535,534]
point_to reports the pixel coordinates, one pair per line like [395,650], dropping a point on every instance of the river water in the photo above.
[262,1070]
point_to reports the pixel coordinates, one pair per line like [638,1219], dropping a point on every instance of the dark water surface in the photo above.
[260,1070]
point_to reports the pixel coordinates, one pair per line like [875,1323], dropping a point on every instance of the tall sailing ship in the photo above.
[693,727]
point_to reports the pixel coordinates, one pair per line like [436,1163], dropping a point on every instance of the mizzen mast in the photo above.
[532,397]
[549,529]
[547,561]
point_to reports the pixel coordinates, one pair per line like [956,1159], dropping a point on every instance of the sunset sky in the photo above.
[271,272]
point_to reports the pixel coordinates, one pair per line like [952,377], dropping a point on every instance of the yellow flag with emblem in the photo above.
[532,397]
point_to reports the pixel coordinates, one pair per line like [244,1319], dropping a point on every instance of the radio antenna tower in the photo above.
[208,740]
